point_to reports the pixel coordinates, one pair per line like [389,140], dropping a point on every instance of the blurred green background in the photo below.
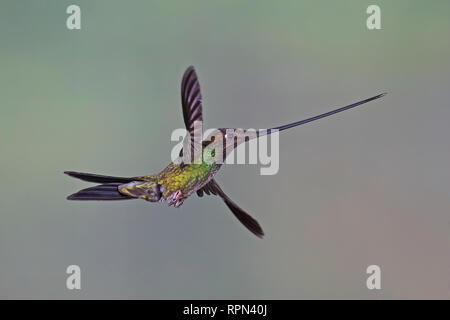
[369,186]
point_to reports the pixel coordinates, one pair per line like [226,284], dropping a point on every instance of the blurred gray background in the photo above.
[369,186]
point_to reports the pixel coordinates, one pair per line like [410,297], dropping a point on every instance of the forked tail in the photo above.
[107,190]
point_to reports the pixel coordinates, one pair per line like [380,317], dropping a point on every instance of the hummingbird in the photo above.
[181,178]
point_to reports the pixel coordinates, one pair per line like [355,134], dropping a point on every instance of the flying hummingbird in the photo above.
[182,178]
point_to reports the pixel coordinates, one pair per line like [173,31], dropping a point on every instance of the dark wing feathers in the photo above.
[251,224]
[191,102]
[191,99]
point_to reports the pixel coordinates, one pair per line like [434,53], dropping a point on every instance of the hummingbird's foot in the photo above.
[176,199]
[177,194]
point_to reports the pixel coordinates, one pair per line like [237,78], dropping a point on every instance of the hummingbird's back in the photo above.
[187,178]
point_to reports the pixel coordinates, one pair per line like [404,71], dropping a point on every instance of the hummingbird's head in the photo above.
[221,142]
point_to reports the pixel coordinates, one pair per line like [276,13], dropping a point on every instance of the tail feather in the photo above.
[90,177]
[107,191]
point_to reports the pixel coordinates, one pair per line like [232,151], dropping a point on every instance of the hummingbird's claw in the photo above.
[177,197]
[178,203]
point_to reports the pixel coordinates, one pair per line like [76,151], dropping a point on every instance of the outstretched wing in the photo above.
[191,99]
[191,102]
[250,223]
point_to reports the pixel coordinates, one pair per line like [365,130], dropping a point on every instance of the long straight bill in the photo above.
[320,116]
